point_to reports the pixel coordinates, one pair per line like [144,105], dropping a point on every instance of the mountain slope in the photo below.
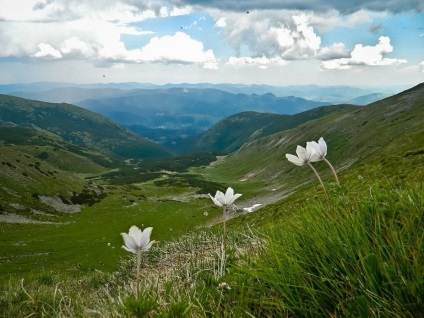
[232,132]
[380,139]
[77,126]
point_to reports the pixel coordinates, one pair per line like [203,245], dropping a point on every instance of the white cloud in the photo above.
[261,62]
[270,33]
[179,48]
[221,23]
[421,65]
[46,51]
[75,47]
[365,55]
[335,51]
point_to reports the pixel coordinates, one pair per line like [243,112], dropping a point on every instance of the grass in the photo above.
[359,255]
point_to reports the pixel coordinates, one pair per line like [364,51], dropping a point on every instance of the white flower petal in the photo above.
[145,238]
[323,146]
[294,159]
[129,241]
[129,249]
[234,198]
[229,195]
[215,201]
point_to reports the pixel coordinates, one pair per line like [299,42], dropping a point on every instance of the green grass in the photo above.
[360,254]
[90,240]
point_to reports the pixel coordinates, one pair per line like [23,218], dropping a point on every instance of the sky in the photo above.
[273,42]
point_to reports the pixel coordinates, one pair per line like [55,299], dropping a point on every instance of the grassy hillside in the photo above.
[77,126]
[385,137]
[232,132]
[358,253]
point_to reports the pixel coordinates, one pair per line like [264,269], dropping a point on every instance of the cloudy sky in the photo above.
[275,42]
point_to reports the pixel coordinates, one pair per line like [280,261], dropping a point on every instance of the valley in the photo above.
[72,180]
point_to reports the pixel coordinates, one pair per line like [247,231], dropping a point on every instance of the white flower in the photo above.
[252,208]
[320,149]
[226,199]
[206,213]
[303,155]
[224,286]
[136,240]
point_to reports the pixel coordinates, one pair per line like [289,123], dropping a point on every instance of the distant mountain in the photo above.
[69,92]
[232,132]
[368,99]
[382,138]
[77,126]
[199,109]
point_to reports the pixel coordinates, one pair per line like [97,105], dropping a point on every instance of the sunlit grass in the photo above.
[359,255]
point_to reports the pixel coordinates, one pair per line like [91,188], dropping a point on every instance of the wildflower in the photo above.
[320,151]
[223,286]
[137,241]
[252,208]
[304,157]
[225,200]
[205,213]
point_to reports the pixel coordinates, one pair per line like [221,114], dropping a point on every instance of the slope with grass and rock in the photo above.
[358,253]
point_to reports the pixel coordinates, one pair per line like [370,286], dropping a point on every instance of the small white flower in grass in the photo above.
[320,149]
[223,286]
[205,213]
[304,157]
[252,208]
[225,200]
[137,240]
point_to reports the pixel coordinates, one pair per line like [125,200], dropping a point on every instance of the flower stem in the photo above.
[138,272]
[224,240]
[333,171]
[319,178]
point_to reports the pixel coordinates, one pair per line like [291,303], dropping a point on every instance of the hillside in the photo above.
[232,132]
[388,134]
[77,126]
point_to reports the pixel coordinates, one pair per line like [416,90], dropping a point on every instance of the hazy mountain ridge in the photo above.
[72,92]
[178,108]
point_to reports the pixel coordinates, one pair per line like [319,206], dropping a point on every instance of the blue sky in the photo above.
[323,42]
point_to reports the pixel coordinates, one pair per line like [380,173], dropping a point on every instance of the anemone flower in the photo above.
[137,241]
[305,157]
[320,149]
[224,200]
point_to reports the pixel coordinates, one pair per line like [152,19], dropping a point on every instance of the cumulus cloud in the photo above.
[365,55]
[93,30]
[46,51]
[335,51]
[271,34]
[179,48]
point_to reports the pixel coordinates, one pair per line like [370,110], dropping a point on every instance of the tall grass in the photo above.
[358,255]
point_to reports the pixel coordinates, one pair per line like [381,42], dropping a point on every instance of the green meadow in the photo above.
[357,253]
